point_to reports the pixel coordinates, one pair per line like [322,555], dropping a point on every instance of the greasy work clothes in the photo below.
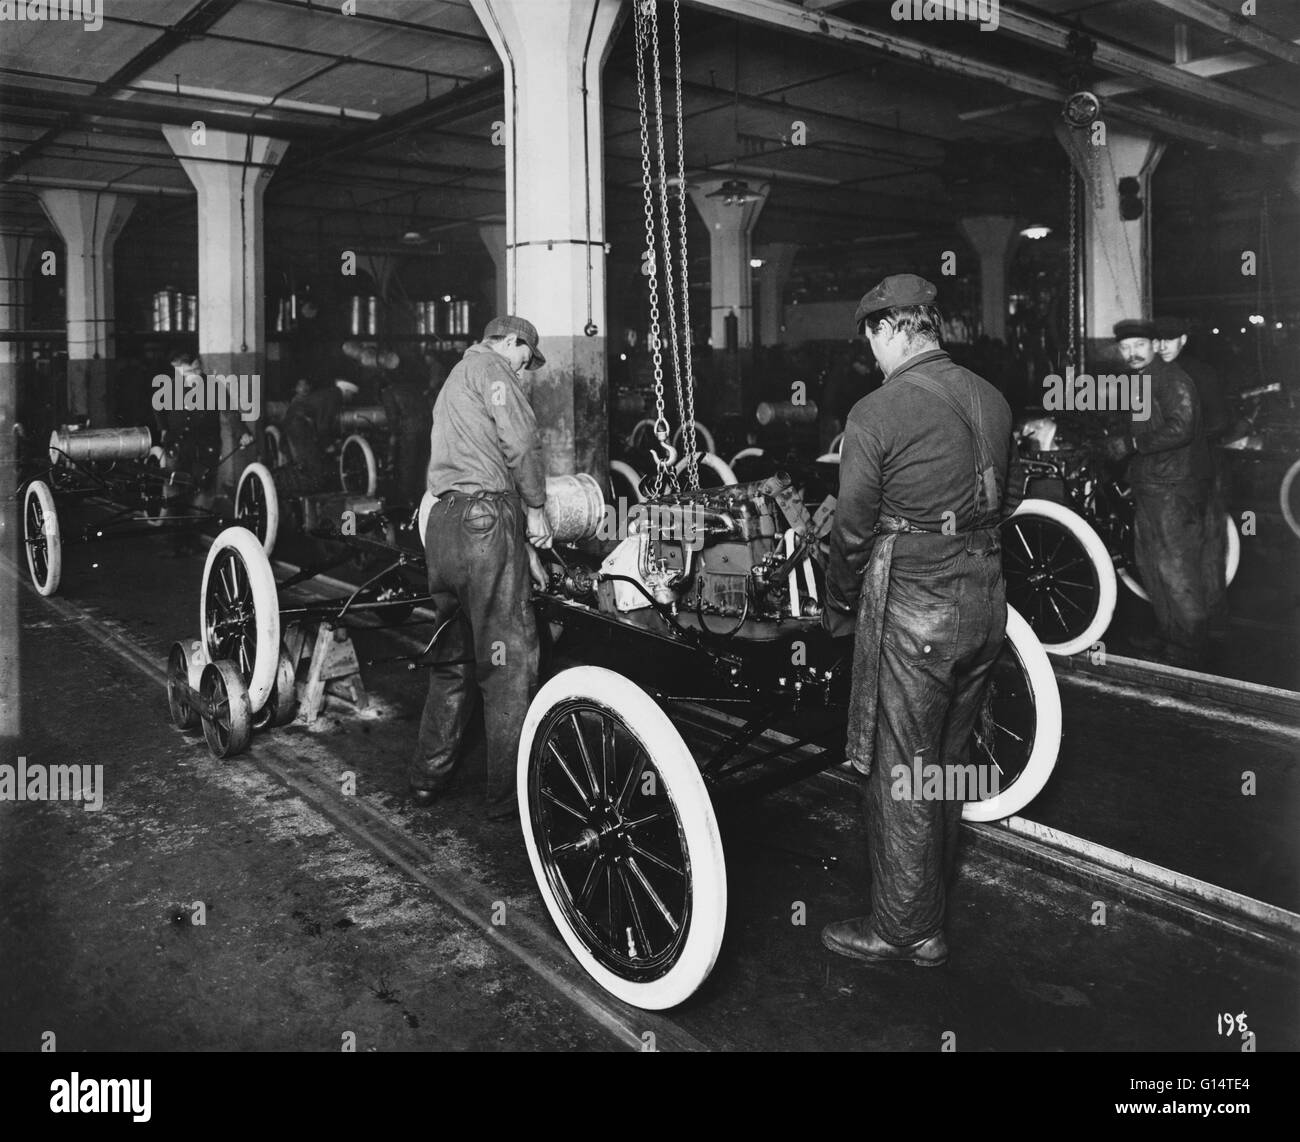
[908,457]
[309,424]
[1172,478]
[409,421]
[485,433]
[1216,420]
[478,569]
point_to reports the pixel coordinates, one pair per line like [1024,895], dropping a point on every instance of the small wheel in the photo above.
[622,838]
[1059,575]
[275,457]
[154,482]
[619,471]
[239,613]
[1018,735]
[184,716]
[227,720]
[715,464]
[282,703]
[42,537]
[358,472]
[257,506]
[703,437]
[1290,497]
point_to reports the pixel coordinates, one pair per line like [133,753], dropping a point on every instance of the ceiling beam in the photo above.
[824,28]
[1046,33]
[1239,28]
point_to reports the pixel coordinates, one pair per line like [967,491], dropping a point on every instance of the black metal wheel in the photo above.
[42,537]
[227,717]
[622,837]
[184,715]
[282,703]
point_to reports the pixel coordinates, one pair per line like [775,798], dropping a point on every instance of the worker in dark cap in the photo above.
[487,473]
[1172,476]
[1216,422]
[915,574]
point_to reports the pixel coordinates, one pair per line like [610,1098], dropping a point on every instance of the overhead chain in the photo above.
[1073,323]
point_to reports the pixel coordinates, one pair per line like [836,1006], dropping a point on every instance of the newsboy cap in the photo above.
[526,331]
[897,289]
[1134,327]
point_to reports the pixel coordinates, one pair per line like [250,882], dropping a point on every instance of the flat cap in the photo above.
[526,331]
[1167,328]
[1135,327]
[897,289]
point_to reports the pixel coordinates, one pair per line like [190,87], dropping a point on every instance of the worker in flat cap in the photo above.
[487,474]
[927,473]
[1171,335]
[1168,464]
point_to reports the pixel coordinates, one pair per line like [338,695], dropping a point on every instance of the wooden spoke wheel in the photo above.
[622,837]
[1018,734]
[227,718]
[42,538]
[239,614]
[1059,575]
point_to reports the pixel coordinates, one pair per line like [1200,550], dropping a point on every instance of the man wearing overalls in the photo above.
[915,574]
[486,471]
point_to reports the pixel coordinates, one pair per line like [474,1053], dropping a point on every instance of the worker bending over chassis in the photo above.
[486,471]
[916,556]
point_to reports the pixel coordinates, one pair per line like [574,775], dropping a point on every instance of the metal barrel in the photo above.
[460,318]
[575,506]
[191,312]
[372,315]
[94,444]
[354,317]
[786,412]
[363,418]
[162,311]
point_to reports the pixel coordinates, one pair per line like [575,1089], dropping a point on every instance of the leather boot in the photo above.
[857,939]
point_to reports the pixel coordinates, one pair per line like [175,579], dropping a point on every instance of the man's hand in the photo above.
[1120,447]
[538,529]
[540,578]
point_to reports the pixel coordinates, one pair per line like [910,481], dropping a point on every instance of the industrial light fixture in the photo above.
[756,263]
[413,237]
[1256,319]
[1035,232]
[733,192]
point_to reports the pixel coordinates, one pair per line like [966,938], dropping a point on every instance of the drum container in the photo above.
[162,312]
[372,315]
[575,506]
[99,444]
[784,412]
[354,317]
[460,318]
[191,312]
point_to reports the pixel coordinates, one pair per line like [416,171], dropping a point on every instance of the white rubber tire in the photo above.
[746,454]
[703,437]
[1102,563]
[837,445]
[159,453]
[1047,728]
[1231,561]
[372,468]
[1288,481]
[259,471]
[629,474]
[274,446]
[690,799]
[266,610]
[715,463]
[40,491]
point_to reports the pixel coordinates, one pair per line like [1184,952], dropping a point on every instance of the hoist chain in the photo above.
[1071,359]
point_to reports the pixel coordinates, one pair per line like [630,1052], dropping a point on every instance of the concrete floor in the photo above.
[328,915]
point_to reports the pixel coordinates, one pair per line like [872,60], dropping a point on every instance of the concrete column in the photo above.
[994,237]
[730,282]
[553,55]
[778,258]
[89,222]
[1117,254]
[232,302]
[494,238]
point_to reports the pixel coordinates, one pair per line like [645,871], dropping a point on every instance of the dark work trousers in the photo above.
[944,625]
[1214,554]
[1169,532]
[478,567]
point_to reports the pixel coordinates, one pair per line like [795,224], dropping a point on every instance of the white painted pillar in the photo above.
[994,237]
[553,55]
[1117,254]
[89,222]
[232,304]
[778,258]
[731,228]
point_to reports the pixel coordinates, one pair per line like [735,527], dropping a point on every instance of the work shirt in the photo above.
[484,434]
[907,454]
[320,408]
[1171,448]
